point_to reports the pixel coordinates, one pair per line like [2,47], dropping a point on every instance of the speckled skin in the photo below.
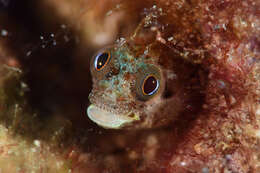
[116,87]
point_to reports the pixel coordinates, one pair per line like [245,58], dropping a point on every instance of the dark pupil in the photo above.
[150,85]
[101,60]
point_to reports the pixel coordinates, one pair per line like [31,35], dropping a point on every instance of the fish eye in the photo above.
[148,82]
[101,60]
[150,85]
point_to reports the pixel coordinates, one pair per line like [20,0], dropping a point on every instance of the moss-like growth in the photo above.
[24,141]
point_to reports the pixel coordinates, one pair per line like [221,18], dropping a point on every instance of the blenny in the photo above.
[137,86]
[142,82]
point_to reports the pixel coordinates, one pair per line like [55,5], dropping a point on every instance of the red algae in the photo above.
[218,37]
[218,139]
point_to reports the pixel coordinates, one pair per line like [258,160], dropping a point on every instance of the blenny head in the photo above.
[129,89]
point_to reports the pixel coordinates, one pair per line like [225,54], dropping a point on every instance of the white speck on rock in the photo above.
[205,170]
[228,157]
[224,26]
[170,38]
[257,112]
[37,143]
[4,32]
[183,163]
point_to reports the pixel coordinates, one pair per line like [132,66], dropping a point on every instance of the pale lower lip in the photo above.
[107,119]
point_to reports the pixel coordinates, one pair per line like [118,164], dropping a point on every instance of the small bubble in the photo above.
[228,157]
[37,143]
[183,163]
[63,26]
[66,38]
[205,170]
[25,87]
[170,38]
[109,13]
[224,26]
[4,32]
[54,43]
[28,53]
[52,35]
[43,46]
[41,37]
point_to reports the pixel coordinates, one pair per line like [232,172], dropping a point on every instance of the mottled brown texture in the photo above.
[222,37]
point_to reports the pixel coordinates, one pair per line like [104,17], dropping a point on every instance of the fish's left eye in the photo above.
[150,85]
[101,60]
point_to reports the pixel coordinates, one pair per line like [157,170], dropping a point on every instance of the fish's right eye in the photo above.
[148,82]
[150,85]
[101,60]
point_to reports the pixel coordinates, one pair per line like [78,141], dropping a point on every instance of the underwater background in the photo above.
[45,82]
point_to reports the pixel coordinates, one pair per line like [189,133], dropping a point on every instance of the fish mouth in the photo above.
[108,119]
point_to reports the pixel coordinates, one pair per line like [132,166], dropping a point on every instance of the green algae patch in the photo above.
[11,95]
[25,146]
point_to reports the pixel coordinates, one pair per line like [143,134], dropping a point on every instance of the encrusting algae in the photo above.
[178,38]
